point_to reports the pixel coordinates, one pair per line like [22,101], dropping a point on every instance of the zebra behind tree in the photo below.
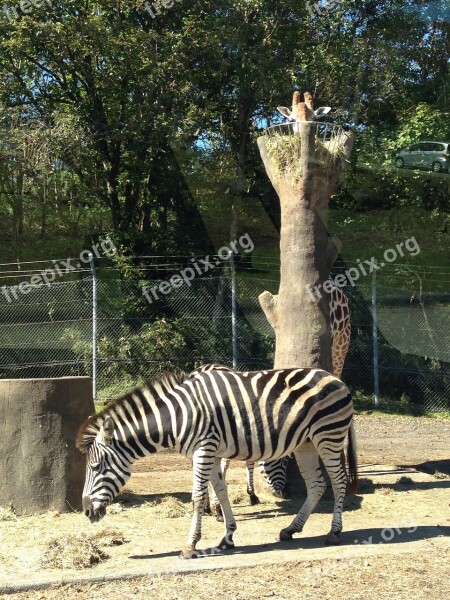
[262,415]
[275,472]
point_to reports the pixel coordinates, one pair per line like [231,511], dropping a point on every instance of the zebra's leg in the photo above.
[336,470]
[224,464]
[274,472]
[207,507]
[309,466]
[202,466]
[251,483]
[220,488]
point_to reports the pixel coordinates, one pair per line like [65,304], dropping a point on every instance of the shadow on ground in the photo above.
[131,499]
[433,466]
[363,537]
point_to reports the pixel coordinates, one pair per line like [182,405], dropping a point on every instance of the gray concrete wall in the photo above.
[40,468]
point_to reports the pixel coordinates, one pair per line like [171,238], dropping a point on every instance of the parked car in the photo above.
[432,156]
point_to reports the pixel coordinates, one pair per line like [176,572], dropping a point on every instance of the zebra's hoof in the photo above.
[219,517]
[188,553]
[279,494]
[254,500]
[226,544]
[285,535]
[332,539]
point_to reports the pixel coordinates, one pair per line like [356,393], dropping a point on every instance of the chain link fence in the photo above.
[49,332]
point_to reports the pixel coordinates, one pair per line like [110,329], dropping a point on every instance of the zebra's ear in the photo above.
[107,430]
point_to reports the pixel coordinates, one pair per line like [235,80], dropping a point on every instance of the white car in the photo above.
[432,156]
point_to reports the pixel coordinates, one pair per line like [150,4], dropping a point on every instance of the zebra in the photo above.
[273,472]
[260,415]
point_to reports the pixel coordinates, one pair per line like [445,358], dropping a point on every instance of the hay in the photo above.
[440,475]
[238,498]
[80,551]
[7,513]
[285,151]
[168,507]
[385,491]
[114,509]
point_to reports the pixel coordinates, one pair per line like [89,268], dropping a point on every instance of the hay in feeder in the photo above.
[82,550]
[285,151]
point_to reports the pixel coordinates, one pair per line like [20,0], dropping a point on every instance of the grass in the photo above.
[364,405]
[367,234]
[396,412]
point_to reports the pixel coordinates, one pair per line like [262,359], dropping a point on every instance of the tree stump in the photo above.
[40,467]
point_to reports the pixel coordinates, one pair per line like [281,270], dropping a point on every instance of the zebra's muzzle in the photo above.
[95,511]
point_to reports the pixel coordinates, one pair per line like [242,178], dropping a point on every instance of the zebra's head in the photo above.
[107,467]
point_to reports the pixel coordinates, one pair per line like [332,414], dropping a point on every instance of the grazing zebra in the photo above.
[273,472]
[261,415]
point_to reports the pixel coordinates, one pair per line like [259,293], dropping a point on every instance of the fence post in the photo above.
[375,339]
[233,292]
[94,326]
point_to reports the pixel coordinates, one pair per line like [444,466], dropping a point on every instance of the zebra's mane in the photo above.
[90,428]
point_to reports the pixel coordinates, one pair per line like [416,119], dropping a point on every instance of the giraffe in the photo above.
[303,111]
[340,329]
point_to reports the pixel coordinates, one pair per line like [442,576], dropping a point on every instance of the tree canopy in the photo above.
[107,107]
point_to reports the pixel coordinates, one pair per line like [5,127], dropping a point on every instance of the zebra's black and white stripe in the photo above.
[274,472]
[262,415]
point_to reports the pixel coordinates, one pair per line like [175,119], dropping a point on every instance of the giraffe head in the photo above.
[302,111]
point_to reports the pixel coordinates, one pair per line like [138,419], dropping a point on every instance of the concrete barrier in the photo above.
[40,468]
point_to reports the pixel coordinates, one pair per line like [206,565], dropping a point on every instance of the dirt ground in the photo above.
[396,539]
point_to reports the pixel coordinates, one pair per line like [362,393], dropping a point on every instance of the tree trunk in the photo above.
[299,315]
[304,182]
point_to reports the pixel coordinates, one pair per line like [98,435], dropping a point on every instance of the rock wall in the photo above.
[40,468]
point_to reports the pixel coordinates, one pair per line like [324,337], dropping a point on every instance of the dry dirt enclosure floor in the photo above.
[395,544]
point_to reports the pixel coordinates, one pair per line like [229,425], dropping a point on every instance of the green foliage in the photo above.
[130,108]
[424,122]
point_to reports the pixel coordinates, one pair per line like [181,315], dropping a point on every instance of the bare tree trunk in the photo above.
[17,207]
[44,200]
[298,315]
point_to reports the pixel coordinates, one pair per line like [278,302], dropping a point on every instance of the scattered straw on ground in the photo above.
[440,475]
[402,577]
[7,514]
[168,507]
[114,509]
[80,551]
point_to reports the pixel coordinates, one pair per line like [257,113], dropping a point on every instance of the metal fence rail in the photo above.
[49,332]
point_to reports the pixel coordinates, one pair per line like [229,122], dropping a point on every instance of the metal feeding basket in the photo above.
[284,145]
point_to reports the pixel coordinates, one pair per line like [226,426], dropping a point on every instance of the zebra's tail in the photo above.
[352,484]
